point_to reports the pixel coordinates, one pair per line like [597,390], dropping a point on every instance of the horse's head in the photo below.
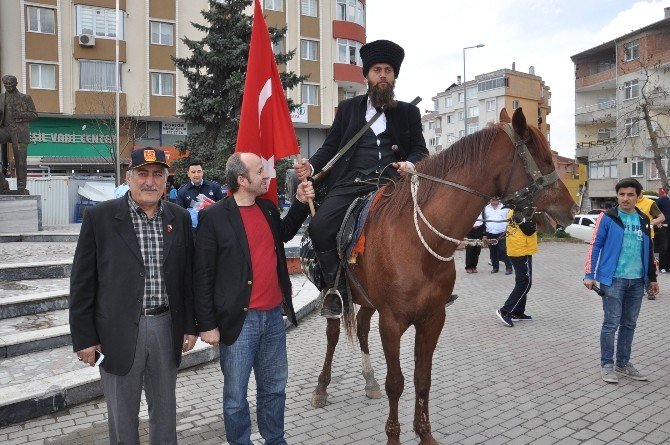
[532,181]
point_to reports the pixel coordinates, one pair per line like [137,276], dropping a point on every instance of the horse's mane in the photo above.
[467,153]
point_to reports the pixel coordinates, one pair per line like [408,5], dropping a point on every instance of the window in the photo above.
[637,167]
[653,174]
[351,11]
[274,5]
[431,125]
[436,104]
[308,50]
[349,95]
[473,111]
[450,118]
[631,51]
[310,94]
[162,84]
[448,102]
[42,76]
[631,127]
[490,84]
[490,105]
[161,33]
[631,89]
[461,133]
[461,115]
[515,104]
[348,51]
[96,75]
[99,22]
[603,134]
[460,97]
[278,46]
[308,7]
[603,169]
[41,20]
[472,128]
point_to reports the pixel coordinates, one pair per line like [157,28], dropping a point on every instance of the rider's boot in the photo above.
[332,305]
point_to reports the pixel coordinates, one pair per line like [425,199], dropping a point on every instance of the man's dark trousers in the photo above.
[498,252]
[472,252]
[523,279]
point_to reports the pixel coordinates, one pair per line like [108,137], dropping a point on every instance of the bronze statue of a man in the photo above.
[16,112]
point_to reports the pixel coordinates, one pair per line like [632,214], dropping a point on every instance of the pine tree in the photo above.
[215,73]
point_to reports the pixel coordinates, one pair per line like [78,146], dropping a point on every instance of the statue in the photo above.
[16,112]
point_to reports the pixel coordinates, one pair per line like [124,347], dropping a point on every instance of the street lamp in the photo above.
[465,97]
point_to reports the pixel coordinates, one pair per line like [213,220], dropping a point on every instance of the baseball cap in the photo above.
[146,156]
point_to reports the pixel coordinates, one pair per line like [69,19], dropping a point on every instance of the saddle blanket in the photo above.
[350,238]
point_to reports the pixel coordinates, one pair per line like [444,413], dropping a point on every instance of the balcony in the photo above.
[581,154]
[603,112]
[596,81]
[597,143]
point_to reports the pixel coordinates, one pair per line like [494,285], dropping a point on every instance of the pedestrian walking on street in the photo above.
[472,252]
[662,239]
[242,287]
[621,259]
[495,220]
[521,246]
[131,300]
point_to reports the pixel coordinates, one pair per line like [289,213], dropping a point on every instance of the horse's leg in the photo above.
[320,395]
[391,330]
[363,317]
[427,335]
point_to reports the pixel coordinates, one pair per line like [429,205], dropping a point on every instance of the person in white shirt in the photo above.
[495,217]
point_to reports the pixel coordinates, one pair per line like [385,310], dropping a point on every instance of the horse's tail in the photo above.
[349,320]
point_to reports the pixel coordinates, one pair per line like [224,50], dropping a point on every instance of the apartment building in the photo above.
[63,53]
[611,81]
[464,108]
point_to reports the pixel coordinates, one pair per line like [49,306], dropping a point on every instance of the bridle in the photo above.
[520,201]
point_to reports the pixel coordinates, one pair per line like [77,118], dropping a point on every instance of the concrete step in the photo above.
[30,333]
[54,268]
[45,381]
[27,297]
[39,237]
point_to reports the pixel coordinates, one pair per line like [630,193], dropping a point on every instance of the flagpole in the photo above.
[312,211]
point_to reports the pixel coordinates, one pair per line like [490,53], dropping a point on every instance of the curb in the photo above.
[37,270]
[39,237]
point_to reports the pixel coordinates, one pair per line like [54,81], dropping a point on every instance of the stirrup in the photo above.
[333,291]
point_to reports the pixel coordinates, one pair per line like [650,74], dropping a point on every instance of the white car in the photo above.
[582,227]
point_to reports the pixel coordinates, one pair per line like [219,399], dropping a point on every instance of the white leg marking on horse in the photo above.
[367,366]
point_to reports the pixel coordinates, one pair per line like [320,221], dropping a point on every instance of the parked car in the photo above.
[596,211]
[582,227]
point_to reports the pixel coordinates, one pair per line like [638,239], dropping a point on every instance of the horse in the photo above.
[408,276]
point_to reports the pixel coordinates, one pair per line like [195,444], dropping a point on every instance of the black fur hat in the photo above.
[382,51]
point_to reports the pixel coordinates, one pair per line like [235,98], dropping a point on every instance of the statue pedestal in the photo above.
[20,214]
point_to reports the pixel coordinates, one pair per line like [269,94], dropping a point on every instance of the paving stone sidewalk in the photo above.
[538,382]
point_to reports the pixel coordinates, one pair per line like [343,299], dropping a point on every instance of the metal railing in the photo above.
[595,107]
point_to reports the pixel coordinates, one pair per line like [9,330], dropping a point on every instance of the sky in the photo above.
[539,33]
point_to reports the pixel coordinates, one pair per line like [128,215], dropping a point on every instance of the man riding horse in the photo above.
[392,144]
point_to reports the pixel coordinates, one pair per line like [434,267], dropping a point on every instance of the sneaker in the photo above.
[506,319]
[494,271]
[608,375]
[508,271]
[651,297]
[664,271]
[521,317]
[630,372]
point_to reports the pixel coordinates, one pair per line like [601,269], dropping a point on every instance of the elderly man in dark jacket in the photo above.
[394,143]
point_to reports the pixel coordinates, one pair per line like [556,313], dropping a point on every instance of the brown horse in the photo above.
[409,285]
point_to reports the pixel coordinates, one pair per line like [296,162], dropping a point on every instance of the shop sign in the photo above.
[174,128]
[299,114]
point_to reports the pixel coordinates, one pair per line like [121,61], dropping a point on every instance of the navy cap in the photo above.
[146,156]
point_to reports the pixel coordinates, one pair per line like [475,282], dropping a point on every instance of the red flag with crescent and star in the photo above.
[265,122]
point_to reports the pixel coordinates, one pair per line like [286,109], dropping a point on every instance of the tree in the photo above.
[215,73]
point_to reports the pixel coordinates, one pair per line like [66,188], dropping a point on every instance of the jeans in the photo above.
[621,305]
[498,252]
[262,346]
[523,279]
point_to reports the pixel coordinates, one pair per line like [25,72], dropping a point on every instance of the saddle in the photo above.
[350,239]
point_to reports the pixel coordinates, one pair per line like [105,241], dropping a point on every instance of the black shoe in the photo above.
[508,271]
[494,271]
[521,317]
[451,299]
[505,318]
[332,306]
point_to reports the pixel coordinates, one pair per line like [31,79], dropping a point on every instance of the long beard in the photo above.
[382,96]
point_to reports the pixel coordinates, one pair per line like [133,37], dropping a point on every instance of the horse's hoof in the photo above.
[428,440]
[373,393]
[319,400]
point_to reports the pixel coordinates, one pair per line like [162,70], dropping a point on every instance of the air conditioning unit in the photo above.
[87,40]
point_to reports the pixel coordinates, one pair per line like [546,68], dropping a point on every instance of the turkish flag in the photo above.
[265,123]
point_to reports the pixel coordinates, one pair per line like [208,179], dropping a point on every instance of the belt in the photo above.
[155,311]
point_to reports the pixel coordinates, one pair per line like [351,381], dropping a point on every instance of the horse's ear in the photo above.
[504,117]
[519,123]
